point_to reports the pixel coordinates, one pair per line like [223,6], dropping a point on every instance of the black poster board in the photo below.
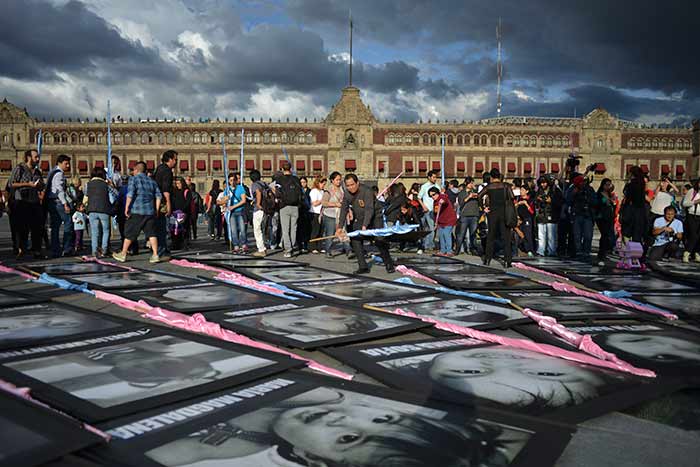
[200,297]
[671,351]
[9,298]
[685,305]
[309,325]
[454,268]
[44,323]
[31,435]
[79,267]
[463,370]
[630,283]
[425,259]
[684,272]
[355,289]
[462,311]
[253,263]
[129,280]
[300,419]
[292,274]
[566,306]
[104,377]
[503,281]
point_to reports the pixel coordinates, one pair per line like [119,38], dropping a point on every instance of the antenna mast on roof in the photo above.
[499,69]
[350,76]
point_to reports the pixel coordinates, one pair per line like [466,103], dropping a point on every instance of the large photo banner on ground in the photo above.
[297,419]
[465,370]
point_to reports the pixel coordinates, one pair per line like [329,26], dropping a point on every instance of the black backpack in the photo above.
[290,190]
[269,200]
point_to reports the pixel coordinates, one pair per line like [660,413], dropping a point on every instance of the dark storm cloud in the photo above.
[636,45]
[38,39]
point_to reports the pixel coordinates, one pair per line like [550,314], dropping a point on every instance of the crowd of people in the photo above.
[550,215]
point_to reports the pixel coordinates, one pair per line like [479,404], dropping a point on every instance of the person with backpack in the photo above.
[59,209]
[213,211]
[26,185]
[100,210]
[291,196]
[262,197]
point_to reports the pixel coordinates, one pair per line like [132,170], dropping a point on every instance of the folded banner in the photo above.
[63,284]
[461,293]
[525,267]
[583,342]
[615,301]
[198,323]
[406,271]
[396,229]
[15,271]
[523,344]
[24,393]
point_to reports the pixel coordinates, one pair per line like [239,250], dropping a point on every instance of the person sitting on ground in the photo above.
[143,201]
[667,232]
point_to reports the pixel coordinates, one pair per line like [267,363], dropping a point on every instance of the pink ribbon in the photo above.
[92,259]
[615,301]
[24,393]
[523,344]
[231,277]
[406,271]
[582,342]
[199,324]
[15,271]
[525,267]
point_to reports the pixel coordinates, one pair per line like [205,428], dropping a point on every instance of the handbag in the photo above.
[510,216]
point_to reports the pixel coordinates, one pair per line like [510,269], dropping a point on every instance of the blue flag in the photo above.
[110,167]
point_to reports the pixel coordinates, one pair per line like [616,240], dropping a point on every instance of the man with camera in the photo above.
[580,204]
[548,203]
[667,232]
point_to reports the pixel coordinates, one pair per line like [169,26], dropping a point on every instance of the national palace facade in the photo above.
[351,139]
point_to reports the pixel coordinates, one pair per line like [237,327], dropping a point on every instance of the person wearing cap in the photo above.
[580,203]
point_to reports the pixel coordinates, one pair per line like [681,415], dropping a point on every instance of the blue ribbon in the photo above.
[63,284]
[461,293]
[286,290]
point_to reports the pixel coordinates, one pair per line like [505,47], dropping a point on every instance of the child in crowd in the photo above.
[79,226]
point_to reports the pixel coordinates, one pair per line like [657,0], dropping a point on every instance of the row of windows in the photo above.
[6,138]
[178,138]
[434,139]
[655,143]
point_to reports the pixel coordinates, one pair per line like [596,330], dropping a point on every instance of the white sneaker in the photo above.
[686,257]
[288,254]
[419,252]
[697,258]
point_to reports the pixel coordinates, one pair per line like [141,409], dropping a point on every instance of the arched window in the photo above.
[501,140]
[647,144]
[266,138]
[655,143]
[144,138]
[390,138]
[248,138]
[63,139]
[671,144]
[169,138]
[283,137]
[256,138]
[161,138]
[426,140]
[231,139]
[213,138]
[509,141]
[516,141]
[477,140]
[543,141]
[91,138]
[187,137]
[301,138]
[460,140]
[600,143]
[526,141]
[679,144]
[550,141]
[127,138]
[117,138]
[416,139]
[558,141]
[309,138]
[5,139]
[82,138]
[274,138]
[134,138]
[686,145]
[73,138]
[664,143]
[99,138]
[484,140]
[152,138]
[178,138]
[566,142]
[196,138]
[494,140]
[450,140]
[433,139]
[533,141]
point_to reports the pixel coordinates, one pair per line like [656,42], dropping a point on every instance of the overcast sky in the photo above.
[413,59]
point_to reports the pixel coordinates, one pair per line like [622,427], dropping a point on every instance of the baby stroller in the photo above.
[178,229]
[630,253]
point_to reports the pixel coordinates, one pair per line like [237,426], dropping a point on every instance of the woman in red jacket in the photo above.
[445,220]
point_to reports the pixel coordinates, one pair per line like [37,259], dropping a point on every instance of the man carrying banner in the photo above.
[360,211]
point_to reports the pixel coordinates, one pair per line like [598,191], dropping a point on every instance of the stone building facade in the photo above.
[351,139]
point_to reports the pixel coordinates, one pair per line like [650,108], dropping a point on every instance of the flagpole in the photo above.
[39,142]
[242,157]
[442,161]
[110,168]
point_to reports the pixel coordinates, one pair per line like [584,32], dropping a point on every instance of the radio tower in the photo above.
[499,70]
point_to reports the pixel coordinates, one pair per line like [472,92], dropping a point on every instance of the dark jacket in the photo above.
[98,196]
[392,209]
[548,213]
[364,206]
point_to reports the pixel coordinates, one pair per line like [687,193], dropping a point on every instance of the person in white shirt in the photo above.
[58,207]
[667,232]
[691,202]
[664,196]
[79,226]
[316,197]
[426,202]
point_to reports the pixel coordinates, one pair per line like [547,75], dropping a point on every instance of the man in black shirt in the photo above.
[25,184]
[361,209]
[291,196]
[468,204]
[163,177]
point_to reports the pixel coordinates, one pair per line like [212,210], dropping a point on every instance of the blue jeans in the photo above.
[162,234]
[236,231]
[583,236]
[467,224]
[547,239]
[59,216]
[445,235]
[99,225]
[428,222]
